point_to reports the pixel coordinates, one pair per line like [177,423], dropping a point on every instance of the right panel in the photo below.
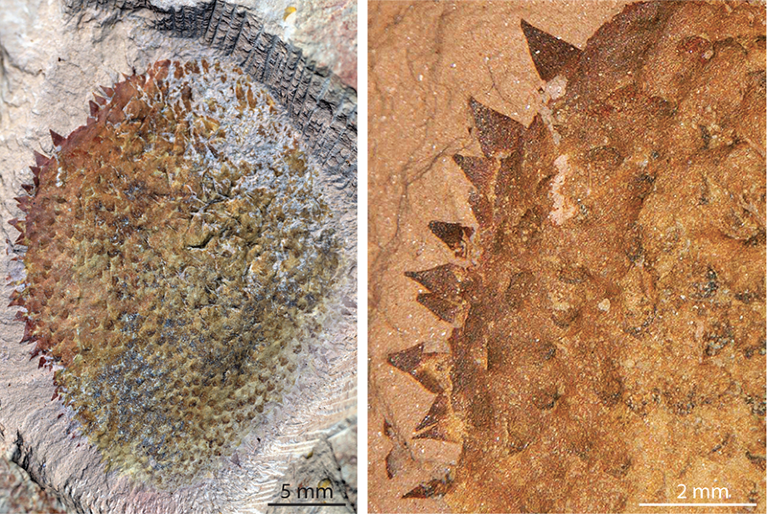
[567,257]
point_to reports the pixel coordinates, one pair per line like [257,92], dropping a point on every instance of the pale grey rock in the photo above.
[332,465]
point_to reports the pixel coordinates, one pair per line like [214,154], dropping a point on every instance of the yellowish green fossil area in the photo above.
[178,257]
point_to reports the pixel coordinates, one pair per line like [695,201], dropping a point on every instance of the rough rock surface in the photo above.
[54,56]
[332,464]
[19,493]
[602,315]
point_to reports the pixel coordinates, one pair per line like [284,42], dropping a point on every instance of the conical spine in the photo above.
[446,279]
[498,135]
[433,488]
[551,55]
[454,235]
[424,367]
[57,138]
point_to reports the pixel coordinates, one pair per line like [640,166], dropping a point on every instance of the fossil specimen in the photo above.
[608,308]
[177,257]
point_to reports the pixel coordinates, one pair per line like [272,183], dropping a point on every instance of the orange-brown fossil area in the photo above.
[175,264]
[599,310]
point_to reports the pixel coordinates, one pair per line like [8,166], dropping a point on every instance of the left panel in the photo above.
[179,206]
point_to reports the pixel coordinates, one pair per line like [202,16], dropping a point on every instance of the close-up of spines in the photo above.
[501,140]
[544,297]
[22,296]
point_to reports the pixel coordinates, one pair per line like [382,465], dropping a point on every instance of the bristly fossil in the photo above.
[178,256]
[607,306]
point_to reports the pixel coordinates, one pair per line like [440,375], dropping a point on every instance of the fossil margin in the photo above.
[177,256]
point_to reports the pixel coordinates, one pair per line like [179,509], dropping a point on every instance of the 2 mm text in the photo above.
[704,493]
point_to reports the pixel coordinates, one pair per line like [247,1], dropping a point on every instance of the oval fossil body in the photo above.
[609,306]
[177,254]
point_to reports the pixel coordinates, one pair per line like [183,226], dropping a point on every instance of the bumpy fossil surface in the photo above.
[177,257]
[609,307]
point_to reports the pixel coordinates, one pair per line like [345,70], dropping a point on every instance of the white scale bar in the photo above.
[697,504]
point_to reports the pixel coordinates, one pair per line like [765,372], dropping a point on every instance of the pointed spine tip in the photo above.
[57,138]
[94,108]
[437,413]
[551,55]
[454,235]
[407,360]
[23,202]
[498,134]
[444,279]
[108,90]
[526,26]
[40,159]
[478,170]
[412,361]
[444,309]
[433,488]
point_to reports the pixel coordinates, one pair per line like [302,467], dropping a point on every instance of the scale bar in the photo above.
[697,504]
[306,504]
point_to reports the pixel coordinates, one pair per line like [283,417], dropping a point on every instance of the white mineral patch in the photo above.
[556,87]
[563,208]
